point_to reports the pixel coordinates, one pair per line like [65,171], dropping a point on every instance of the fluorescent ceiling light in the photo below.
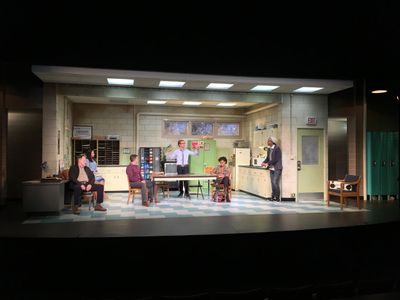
[175,84]
[226,104]
[219,86]
[156,102]
[264,88]
[307,89]
[191,103]
[120,81]
[379,91]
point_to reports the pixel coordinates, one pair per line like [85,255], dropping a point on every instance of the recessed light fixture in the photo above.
[191,103]
[226,104]
[219,86]
[156,102]
[264,88]
[379,91]
[120,81]
[171,84]
[307,89]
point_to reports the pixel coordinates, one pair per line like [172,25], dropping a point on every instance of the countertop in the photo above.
[255,167]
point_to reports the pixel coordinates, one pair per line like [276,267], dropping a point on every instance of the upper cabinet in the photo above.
[107,151]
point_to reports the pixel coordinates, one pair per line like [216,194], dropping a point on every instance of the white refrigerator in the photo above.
[241,158]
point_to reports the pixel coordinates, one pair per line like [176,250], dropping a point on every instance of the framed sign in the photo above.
[82,132]
[311,120]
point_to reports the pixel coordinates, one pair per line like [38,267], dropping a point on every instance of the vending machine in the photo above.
[150,158]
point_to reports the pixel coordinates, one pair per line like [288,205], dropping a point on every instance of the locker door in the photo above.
[369,163]
[393,163]
[374,162]
[384,138]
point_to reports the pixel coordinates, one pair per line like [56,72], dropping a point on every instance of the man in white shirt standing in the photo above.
[182,163]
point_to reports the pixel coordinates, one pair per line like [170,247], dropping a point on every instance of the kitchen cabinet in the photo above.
[255,180]
[115,178]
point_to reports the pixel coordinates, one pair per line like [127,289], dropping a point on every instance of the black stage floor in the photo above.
[129,259]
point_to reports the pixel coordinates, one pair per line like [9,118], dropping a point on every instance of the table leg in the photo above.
[155,190]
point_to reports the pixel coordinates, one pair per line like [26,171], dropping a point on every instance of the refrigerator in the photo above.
[207,157]
[150,158]
[240,157]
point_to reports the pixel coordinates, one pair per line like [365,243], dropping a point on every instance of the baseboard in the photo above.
[288,199]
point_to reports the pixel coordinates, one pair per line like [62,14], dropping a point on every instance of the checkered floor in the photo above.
[242,204]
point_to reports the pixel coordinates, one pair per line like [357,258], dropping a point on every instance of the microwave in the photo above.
[170,169]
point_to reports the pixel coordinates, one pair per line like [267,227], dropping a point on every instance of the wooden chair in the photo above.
[89,197]
[216,190]
[350,186]
[220,189]
[131,193]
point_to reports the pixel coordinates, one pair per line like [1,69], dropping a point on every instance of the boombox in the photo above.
[335,185]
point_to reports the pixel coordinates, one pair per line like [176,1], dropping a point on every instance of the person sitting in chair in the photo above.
[92,164]
[223,174]
[136,180]
[82,180]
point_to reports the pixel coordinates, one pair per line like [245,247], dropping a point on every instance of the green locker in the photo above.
[393,163]
[374,150]
[383,163]
[207,157]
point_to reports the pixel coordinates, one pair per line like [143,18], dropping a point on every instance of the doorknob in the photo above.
[299,165]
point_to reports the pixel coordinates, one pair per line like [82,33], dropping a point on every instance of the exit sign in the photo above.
[311,121]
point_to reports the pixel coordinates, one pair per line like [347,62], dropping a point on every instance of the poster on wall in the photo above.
[82,132]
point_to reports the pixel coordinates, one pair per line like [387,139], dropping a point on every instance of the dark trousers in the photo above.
[183,170]
[142,186]
[224,181]
[95,188]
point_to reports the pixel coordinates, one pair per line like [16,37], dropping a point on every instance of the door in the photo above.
[310,164]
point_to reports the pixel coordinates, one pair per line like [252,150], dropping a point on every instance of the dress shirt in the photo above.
[82,177]
[182,156]
[134,174]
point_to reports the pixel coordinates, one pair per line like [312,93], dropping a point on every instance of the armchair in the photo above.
[350,186]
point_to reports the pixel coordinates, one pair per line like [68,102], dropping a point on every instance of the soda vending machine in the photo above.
[150,158]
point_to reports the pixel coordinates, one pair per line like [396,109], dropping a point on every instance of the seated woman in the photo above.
[223,177]
[92,164]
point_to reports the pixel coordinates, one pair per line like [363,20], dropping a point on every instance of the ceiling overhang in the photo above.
[90,85]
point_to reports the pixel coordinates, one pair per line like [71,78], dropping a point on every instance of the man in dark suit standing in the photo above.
[274,163]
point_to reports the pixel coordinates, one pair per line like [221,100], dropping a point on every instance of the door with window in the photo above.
[310,164]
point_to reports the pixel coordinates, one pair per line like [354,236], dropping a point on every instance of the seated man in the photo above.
[82,180]
[136,180]
[223,176]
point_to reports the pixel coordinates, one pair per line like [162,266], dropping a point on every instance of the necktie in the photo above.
[183,158]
